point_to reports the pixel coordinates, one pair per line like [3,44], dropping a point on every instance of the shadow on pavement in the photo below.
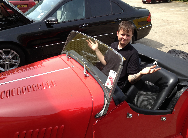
[151,43]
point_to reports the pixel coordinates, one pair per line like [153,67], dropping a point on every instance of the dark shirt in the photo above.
[111,59]
[130,64]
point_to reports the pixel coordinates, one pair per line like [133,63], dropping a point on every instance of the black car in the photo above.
[42,31]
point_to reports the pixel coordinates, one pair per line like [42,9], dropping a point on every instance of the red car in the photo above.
[23,5]
[71,96]
[154,1]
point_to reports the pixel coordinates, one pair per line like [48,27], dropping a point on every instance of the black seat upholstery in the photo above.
[151,91]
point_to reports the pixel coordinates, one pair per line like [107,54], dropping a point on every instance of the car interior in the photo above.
[68,11]
[153,94]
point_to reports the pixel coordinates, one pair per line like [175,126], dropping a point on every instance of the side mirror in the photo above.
[51,20]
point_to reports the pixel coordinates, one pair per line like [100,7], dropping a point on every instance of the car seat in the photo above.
[152,90]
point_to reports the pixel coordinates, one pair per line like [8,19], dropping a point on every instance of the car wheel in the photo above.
[168,0]
[178,53]
[144,2]
[11,57]
[153,1]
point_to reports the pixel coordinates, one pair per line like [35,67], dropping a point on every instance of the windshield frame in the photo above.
[75,50]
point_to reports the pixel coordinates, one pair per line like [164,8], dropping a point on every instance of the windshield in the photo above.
[41,9]
[107,75]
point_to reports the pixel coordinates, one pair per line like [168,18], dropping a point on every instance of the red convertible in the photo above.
[69,96]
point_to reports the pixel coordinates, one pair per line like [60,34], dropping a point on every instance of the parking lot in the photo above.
[170,25]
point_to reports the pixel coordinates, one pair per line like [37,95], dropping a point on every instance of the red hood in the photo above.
[52,89]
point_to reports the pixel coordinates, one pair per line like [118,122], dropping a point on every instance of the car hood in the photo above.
[45,94]
[47,82]
[15,10]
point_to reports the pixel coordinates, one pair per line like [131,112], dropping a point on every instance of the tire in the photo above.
[178,53]
[144,2]
[153,1]
[168,1]
[11,57]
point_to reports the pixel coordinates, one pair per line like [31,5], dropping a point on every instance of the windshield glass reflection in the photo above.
[41,9]
[107,75]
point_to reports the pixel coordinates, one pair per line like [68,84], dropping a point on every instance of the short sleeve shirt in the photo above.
[130,61]
[111,59]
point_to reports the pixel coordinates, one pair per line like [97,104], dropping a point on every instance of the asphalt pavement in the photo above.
[169,25]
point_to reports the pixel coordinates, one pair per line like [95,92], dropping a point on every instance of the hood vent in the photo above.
[51,132]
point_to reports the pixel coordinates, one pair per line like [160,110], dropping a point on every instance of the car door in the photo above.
[101,22]
[53,36]
[79,16]
[123,122]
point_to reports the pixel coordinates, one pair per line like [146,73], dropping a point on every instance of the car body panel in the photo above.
[34,86]
[118,123]
[181,108]
[142,25]
[23,5]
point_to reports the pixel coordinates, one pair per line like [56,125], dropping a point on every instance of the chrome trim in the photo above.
[34,76]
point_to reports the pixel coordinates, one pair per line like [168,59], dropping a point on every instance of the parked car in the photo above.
[70,96]
[42,31]
[154,1]
[22,5]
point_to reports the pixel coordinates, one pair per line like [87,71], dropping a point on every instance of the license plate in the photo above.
[21,6]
